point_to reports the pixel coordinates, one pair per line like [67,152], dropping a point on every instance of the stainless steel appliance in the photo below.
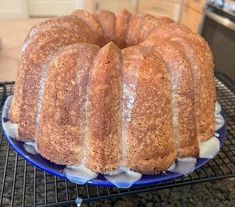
[218,28]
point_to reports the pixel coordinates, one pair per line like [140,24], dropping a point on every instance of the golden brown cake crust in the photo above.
[207,89]
[147,112]
[140,107]
[92,23]
[140,26]
[70,23]
[104,111]
[207,122]
[183,97]
[200,59]
[62,125]
[107,21]
[134,28]
[34,59]
[121,28]
[150,23]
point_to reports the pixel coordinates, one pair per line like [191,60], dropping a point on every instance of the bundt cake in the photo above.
[108,90]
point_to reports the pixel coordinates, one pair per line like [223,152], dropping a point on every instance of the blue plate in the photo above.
[57,170]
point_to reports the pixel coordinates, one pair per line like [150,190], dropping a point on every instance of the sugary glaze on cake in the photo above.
[202,64]
[147,111]
[104,111]
[34,58]
[63,107]
[140,104]
[183,98]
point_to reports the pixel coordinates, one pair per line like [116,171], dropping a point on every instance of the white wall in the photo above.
[49,8]
[26,8]
[13,9]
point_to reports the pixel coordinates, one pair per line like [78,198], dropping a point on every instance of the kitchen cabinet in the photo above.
[50,8]
[170,8]
[192,14]
[187,12]
[117,5]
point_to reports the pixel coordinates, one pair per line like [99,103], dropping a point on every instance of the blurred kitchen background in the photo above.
[214,19]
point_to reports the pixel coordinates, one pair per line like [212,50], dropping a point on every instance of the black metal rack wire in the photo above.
[21,184]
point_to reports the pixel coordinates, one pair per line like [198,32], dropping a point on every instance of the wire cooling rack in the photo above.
[21,184]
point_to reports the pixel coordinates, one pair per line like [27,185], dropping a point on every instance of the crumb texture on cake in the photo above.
[111,91]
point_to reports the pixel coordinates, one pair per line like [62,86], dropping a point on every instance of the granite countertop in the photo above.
[219,193]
